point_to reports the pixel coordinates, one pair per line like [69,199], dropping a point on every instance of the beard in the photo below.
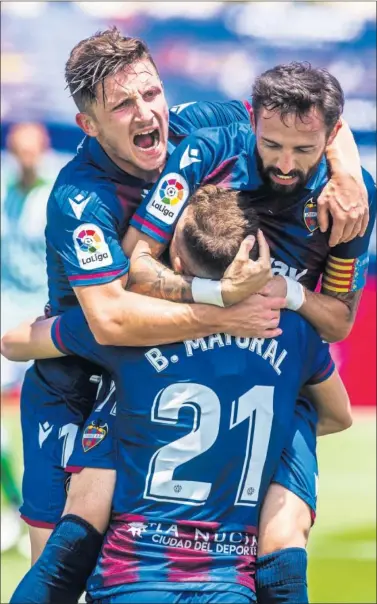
[303,178]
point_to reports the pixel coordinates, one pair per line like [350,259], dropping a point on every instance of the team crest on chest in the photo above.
[310,215]
[93,435]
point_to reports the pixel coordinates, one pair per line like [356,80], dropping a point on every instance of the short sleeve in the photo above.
[183,173]
[321,365]
[85,234]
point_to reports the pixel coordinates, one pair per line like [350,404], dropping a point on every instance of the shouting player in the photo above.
[125,115]
[122,109]
[108,76]
[201,428]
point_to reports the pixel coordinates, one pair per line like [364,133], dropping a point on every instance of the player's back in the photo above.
[225,397]
[201,427]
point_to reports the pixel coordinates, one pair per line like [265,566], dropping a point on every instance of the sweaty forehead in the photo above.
[309,127]
[130,80]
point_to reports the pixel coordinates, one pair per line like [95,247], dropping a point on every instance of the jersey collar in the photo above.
[319,177]
[100,157]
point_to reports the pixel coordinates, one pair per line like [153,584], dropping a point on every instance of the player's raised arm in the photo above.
[333,310]
[345,196]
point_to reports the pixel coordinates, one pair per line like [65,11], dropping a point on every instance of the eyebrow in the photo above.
[119,103]
[131,95]
[268,140]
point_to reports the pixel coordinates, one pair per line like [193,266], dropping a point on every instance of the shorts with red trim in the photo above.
[56,398]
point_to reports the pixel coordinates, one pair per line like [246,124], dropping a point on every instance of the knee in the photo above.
[285,521]
[83,496]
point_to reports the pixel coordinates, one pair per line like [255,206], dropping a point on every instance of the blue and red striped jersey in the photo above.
[201,426]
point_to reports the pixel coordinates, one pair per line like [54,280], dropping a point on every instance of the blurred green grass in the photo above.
[342,547]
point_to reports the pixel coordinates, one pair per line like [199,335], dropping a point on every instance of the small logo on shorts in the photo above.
[94,435]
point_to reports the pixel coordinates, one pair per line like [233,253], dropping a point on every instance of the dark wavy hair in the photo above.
[296,88]
[94,59]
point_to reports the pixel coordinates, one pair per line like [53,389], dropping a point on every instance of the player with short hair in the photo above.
[94,57]
[201,425]
[123,111]
[296,111]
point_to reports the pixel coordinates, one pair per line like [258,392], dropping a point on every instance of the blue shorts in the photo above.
[56,398]
[172,593]
[95,444]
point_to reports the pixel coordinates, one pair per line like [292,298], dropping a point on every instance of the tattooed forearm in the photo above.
[151,278]
[351,300]
[331,315]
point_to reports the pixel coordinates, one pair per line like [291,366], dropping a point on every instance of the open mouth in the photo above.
[283,178]
[147,140]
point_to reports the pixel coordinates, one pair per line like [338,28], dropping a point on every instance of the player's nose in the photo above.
[144,111]
[285,163]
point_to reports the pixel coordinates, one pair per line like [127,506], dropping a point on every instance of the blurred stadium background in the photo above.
[205,50]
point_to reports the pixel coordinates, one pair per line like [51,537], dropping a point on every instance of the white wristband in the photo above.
[206,291]
[295,294]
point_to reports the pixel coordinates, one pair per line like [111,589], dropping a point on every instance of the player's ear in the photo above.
[334,131]
[87,124]
[177,264]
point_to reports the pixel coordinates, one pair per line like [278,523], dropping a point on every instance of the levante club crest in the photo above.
[310,215]
[93,435]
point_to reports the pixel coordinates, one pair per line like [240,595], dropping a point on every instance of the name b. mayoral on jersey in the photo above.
[268,349]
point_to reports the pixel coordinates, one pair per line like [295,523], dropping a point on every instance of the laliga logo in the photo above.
[89,241]
[169,195]
[91,248]
[171,192]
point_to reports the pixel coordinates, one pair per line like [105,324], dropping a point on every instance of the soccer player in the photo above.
[296,112]
[199,437]
[122,109]
[125,115]
[100,176]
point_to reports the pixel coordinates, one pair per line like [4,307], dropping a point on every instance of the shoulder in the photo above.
[202,114]
[238,136]
[77,193]
[297,329]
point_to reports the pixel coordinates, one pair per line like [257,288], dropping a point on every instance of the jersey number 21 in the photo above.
[255,406]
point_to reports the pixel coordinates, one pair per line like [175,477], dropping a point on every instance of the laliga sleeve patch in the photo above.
[91,248]
[169,197]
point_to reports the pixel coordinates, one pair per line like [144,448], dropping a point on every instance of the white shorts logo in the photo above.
[91,248]
[169,198]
